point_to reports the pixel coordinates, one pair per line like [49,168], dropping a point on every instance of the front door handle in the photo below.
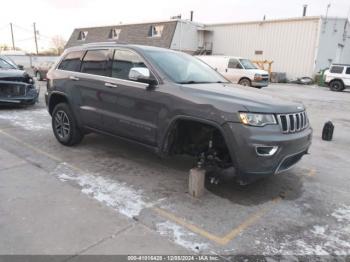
[74,78]
[110,85]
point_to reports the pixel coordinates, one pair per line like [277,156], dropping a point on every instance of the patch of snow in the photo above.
[319,240]
[181,236]
[119,196]
[342,214]
[319,230]
[309,249]
[34,120]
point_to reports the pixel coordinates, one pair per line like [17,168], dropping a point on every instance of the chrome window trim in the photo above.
[109,79]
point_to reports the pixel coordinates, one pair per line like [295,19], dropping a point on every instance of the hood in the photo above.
[13,75]
[259,71]
[250,99]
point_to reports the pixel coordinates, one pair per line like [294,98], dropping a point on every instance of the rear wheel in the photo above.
[336,85]
[64,125]
[245,82]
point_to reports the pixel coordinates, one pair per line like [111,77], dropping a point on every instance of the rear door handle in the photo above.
[110,85]
[74,78]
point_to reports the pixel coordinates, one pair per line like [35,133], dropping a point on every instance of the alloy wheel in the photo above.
[62,125]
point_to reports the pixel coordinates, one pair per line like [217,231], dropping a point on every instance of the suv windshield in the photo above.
[247,64]
[183,68]
[6,65]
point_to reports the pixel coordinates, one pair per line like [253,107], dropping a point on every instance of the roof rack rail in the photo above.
[339,64]
[101,43]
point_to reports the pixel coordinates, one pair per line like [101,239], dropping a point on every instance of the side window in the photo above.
[348,71]
[95,62]
[123,61]
[233,63]
[71,62]
[337,69]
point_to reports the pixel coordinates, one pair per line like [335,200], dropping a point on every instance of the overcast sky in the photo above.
[60,17]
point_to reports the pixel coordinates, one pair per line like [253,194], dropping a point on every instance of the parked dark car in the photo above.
[16,85]
[173,104]
[41,70]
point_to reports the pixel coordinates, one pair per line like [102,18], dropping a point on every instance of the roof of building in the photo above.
[281,20]
[129,33]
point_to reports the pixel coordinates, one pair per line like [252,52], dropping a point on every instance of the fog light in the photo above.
[266,150]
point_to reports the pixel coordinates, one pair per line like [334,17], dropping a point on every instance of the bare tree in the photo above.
[58,43]
[4,47]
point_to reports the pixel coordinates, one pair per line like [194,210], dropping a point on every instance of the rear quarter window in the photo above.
[336,69]
[348,71]
[72,61]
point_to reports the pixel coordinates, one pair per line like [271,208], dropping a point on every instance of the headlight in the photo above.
[258,77]
[254,119]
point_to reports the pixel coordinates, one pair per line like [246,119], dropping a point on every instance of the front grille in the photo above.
[12,90]
[291,123]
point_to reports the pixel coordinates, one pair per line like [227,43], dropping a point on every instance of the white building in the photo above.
[297,46]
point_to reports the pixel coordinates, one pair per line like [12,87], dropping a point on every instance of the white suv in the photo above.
[238,70]
[338,77]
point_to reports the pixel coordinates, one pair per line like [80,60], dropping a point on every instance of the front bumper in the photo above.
[23,93]
[243,141]
[262,83]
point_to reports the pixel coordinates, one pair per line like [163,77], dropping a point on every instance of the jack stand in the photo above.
[196,182]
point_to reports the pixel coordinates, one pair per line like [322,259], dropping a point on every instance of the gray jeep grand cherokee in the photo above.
[173,104]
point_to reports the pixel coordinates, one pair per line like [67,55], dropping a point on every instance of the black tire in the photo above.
[245,82]
[38,76]
[336,85]
[65,126]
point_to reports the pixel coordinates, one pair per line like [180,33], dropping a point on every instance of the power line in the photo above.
[4,27]
[23,28]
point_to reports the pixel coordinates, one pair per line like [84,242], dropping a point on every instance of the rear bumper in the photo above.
[244,140]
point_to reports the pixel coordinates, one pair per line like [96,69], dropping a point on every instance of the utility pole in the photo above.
[36,40]
[13,39]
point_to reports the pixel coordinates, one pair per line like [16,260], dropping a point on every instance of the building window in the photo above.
[114,33]
[82,35]
[155,31]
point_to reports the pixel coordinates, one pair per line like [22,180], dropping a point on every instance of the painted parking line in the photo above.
[221,240]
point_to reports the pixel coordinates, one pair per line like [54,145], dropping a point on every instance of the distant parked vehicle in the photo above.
[338,77]
[41,70]
[16,85]
[238,70]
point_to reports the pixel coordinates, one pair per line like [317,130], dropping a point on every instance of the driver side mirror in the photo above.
[143,75]
[20,67]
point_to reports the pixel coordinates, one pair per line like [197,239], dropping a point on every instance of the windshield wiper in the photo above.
[200,82]
[192,82]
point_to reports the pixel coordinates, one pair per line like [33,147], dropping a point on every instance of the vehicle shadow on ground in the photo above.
[288,185]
